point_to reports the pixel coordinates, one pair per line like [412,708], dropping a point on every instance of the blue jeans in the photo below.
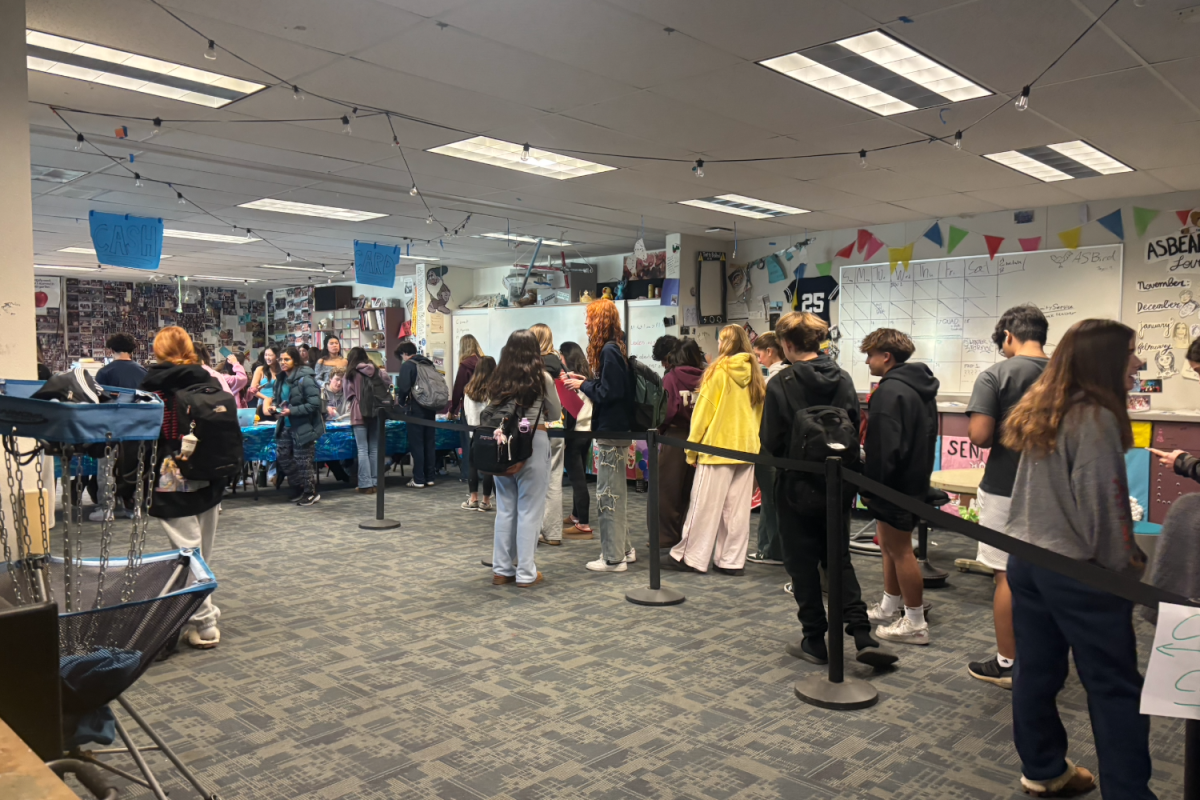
[1054,617]
[366,440]
[520,505]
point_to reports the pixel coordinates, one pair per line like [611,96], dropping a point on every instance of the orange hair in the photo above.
[605,323]
[173,345]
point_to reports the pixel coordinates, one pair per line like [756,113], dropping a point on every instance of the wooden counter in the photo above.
[23,776]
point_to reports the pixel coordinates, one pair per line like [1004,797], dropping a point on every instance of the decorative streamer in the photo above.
[1030,245]
[993,244]
[1113,224]
[1070,238]
[956,237]
[1142,217]
[934,234]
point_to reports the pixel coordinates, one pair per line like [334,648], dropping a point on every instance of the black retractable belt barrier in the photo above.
[380,522]
[655,595]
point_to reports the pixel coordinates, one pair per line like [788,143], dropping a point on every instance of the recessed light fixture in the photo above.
[69,269]
[209,237]
[55,174]
[90,251]
[420,258]
[878,73]
[310,210]
[71,58]
[717,229]
[743,206]
[227,278]
[1060,162]
[516,237]
[520,157]
[293,269]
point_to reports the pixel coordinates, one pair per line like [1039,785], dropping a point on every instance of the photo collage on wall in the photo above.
[291,322]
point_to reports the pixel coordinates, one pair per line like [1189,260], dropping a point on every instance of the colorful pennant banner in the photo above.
[1113,224]
[824,268]
[846,251]
[900,255]
[993,244]
[1142,217]
[934,234]
[1031,244]
[864,239]
[873,247]
[1070,238]
[956,237]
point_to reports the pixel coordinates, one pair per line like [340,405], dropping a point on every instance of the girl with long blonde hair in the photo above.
[469,353]
[727,414]
[552,522]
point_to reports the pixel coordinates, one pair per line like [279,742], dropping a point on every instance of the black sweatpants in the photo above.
[804,540]
[577,455]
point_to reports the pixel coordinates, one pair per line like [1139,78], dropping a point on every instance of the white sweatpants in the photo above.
[552,527]
[718,519]
[197,533]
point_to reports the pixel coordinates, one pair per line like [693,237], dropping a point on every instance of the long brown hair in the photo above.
[519,374]
[734,340]
[468,346]
[576,360]
[476,388]
[1088,367]
[545,337]
[605,322]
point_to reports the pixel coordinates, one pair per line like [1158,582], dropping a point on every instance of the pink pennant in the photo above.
[1029,245]
[864,239]
[993,244]
[873,245]
[1183,218]
[846,251]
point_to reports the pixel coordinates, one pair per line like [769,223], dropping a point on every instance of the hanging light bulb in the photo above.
[862,159]
[157,127]
[297,94]
[79,141]
[429,220]
[413,191]
[958,140]
[328,281]
[137,180]
[525,153]
[395,141]
[289,258]
[248,236]
[211,52]
[354,112]
[1023,101]
[179,198]
[698,168]
[345,125]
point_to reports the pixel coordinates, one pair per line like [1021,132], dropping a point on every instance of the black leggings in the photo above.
[576,457]
[489,481]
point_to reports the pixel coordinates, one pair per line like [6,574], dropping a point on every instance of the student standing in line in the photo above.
[770,357]
[685,367]
[728,414]
[421,438]
[469,353]
[611,394]
[900,446]
[1020,335]
[813,379]
[233,382]
[360,372]
[1181,461]
[578,454]
[186,509]
[301,421]
[474,401]
[1071,496]
[122,373]
[332,358]
[552,529]
[521,377]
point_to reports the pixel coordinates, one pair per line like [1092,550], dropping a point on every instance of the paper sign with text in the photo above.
[1172,685]
[375,264]
[122,240]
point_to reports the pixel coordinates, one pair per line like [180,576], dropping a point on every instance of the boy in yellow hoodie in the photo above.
[727,414]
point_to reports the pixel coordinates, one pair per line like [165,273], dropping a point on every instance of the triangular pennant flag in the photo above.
[1029,245]
[798,272]
[1070,239]
[956,237]
[775,271]
[1113,224]
[1142,217]
[900,255]
[993,244]
[824,268]
[873,247]
[865,237]
[1183,217]
[934,234]
[846,251]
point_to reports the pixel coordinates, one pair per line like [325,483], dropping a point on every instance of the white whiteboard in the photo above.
[950,306]
[475,322]
[645,325]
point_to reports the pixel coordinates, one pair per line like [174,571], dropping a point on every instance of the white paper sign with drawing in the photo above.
[1172,686]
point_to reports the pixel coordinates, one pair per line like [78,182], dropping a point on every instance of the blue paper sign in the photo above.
[122,240]
[375,264]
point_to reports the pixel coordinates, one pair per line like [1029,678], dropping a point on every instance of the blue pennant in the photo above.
[934,234]
[1113,224]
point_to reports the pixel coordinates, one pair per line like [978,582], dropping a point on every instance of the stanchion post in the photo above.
[835,690]
[381,523]
[1191,760]
[655,595]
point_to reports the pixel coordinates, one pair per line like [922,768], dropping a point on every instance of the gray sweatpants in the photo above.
[197,532]
[520,506]
[611,497]
[552,519]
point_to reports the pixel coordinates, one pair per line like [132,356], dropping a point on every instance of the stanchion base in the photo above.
[654,597]
[379,524]
[851,693]
[933,577]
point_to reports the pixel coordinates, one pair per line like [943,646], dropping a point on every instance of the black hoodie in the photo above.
[902,429]
[820,382]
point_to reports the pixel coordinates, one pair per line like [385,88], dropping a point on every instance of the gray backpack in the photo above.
[430,391]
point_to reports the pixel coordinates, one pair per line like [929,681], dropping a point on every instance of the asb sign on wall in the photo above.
[122,240]
[375,264]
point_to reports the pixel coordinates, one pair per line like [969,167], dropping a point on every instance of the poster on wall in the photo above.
[438,291]
[651,267]
[46,294]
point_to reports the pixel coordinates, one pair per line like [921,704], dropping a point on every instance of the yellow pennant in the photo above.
[900,255]
[1070,239]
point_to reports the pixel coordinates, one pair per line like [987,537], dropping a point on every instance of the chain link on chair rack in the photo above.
[137,536]
[18,569]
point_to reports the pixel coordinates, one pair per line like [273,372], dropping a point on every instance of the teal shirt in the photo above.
[286,392]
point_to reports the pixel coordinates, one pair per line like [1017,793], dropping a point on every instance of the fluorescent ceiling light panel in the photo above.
[878,73]
[743,206]
[55,174]
[227,278]
[293,269]
[210,237]
[70,269]
[70,58]
[516,237]
[500,153]
[1060,162]
[91,251]
[420,258]
[310,210]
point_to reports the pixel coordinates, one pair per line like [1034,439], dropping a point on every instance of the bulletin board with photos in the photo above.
[291,315]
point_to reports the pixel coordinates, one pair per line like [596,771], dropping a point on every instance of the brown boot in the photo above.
[500,580]
[1075,781]
[538,579]
[574,532]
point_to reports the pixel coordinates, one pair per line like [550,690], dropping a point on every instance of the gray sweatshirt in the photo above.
[1075,500]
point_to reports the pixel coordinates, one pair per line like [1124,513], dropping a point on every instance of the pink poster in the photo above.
[959,453]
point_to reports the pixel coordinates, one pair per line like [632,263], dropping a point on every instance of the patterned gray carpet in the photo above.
[357,664]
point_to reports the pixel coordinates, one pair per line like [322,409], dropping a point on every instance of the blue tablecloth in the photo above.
[338,442]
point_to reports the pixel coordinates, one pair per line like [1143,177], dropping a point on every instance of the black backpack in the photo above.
[649,405]
[375,397]
[503,441]
[818,433]
[210,414]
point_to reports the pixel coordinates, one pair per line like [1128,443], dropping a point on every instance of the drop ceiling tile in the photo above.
[882,184]
[1154,31]
[881,214]
[1182,74]
[1031,195]
[948,205]
[1179,178]
[1107,187]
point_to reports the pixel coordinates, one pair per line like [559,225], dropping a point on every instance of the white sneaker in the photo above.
[600,565]
[99,514]
[414,485]
[877,616]
[787,587]
[906,631]
[631,556]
